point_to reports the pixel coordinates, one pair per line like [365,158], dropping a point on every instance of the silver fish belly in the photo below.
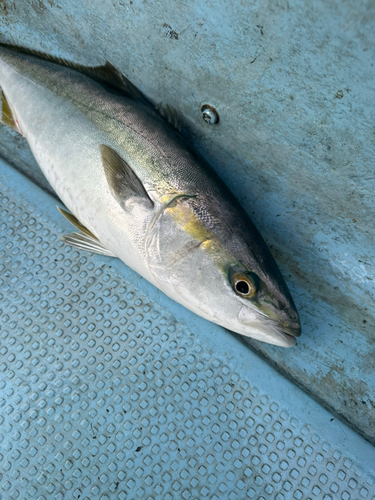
[137,190]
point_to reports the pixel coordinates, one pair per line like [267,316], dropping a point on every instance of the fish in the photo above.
[137,190]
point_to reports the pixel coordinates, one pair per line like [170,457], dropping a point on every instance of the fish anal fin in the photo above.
[83,241]
[170,114]
[122,180]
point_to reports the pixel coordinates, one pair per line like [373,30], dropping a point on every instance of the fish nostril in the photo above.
[289,311]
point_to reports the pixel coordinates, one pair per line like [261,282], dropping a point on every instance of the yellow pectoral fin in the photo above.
[6,113]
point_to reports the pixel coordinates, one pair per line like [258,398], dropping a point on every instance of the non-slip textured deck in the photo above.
[106,395]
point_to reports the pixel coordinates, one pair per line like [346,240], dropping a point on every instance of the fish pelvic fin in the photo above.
[123,182]
[84,242]
[7,117]
[75,222]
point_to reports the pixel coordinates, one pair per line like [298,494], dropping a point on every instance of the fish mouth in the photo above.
[293,330]
[257,326]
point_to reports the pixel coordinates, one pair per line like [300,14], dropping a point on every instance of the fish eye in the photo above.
[245,285]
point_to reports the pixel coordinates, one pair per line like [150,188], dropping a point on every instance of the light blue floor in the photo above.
[293,83]
[109,390]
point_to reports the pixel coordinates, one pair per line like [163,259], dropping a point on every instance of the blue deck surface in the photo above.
[293,84]
[110,390]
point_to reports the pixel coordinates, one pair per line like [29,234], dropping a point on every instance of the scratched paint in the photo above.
[293,85]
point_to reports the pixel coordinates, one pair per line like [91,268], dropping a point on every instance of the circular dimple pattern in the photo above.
[105,397]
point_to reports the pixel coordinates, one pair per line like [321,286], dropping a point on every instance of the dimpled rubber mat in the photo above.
[105,394]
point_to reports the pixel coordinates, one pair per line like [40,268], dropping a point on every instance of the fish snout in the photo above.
[293,329]
[289,320]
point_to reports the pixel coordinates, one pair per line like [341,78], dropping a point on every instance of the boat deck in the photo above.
[110,390]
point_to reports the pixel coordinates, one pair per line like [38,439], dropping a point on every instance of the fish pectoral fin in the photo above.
[85,242]
[6,113]
[75,222]
[170,114]
[122,180]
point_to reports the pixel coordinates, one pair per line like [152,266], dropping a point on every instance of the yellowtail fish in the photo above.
[137,190]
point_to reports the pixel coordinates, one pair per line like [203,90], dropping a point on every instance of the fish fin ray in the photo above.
[75,222]
[7,117]
[170,114]
[122,180]
[85,242]
[109,73]
[106,73]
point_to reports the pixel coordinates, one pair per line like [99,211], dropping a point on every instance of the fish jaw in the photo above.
[259,327]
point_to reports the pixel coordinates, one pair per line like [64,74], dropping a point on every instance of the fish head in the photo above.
[268,312]
[225,274]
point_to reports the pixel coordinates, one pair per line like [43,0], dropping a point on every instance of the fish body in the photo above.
[147,196]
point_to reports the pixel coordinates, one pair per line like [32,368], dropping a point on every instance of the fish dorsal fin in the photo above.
[6,113]
[122,180]
[84,242]
[107,73]
[170,114]
[75,222]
